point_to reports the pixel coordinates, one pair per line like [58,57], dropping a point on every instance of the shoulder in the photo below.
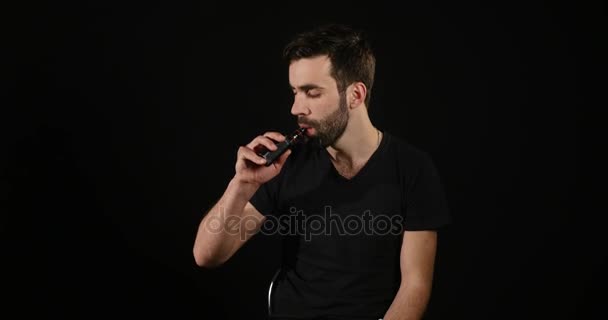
[414,164]
[407,154]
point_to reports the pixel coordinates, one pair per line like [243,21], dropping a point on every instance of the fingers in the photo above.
[248,154]
[251,150]
[264,141]
[277,136]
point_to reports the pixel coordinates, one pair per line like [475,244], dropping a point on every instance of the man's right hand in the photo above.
[251,168]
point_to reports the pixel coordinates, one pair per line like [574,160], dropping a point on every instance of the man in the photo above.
[358,207]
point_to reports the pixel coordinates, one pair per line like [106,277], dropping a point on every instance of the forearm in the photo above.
[409,303]
[221,230]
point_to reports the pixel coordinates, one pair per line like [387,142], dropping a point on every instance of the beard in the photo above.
[330,129]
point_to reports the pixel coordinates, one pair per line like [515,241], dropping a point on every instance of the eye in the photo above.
[313,93]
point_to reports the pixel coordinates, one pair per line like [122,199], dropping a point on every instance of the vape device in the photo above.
[290,140]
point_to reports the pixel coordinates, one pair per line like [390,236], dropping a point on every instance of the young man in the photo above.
[358,207]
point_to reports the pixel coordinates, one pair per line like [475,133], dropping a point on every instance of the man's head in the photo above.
[331,71]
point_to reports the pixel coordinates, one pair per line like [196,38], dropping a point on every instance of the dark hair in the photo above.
[350,53]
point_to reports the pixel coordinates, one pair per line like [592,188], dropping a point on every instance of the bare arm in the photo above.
[417,266]
[228,225]
[233,220]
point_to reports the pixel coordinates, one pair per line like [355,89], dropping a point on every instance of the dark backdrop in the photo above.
[122,121]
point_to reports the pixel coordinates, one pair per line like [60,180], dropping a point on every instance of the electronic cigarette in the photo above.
[296,137]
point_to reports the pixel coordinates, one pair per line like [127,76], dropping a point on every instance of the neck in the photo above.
[359,141]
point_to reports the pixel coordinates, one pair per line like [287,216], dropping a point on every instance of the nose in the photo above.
[298,108]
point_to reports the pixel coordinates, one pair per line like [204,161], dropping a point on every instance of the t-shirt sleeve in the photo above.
[265,198]
[426,206]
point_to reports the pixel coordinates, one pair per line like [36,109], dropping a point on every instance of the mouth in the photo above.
[309,129]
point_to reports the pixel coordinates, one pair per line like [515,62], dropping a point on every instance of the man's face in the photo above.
[317,102]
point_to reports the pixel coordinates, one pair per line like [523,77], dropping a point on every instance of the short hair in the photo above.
[348,49]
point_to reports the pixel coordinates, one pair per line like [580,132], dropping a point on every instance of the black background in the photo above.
[122,121]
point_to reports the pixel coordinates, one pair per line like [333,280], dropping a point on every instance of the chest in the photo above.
[348,171]
[375,187]
[345,227]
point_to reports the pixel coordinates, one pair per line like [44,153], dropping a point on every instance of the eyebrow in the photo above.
[306,87]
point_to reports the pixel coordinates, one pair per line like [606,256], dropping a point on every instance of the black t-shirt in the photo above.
[342,237]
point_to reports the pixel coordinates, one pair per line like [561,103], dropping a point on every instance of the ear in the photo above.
[356,95]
